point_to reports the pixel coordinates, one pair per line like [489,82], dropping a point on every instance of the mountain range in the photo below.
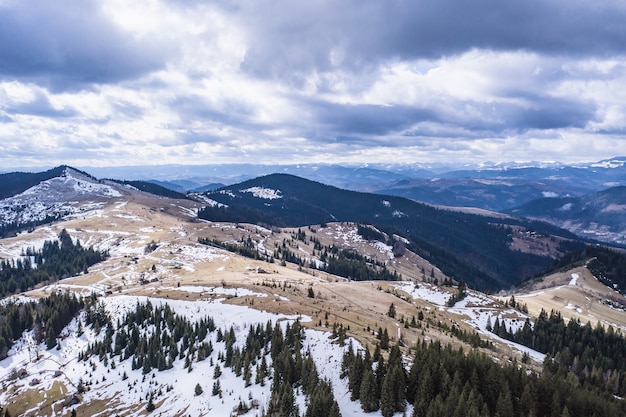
[488,250]
[280,293]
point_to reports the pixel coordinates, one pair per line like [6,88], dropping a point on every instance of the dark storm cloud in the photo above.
[493,120]
[288,37]
[552,113]
[68,45]
[368,119]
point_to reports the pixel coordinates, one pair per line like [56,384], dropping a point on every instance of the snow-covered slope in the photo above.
[72,192]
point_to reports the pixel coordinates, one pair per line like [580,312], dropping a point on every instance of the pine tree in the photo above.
[368,391]
[387,403]
[198,389]
[150,407]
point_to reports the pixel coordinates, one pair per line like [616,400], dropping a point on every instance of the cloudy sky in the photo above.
[117,82]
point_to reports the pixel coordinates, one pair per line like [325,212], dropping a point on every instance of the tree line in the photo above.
[57,259]
[442,381]
[595,356]
[46,318]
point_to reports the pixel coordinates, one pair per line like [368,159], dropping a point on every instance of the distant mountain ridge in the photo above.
[465,246]
[600,215]
[492,186]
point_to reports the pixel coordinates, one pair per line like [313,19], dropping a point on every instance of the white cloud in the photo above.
[276,81]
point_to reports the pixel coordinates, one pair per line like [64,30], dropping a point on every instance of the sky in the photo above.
[151,82]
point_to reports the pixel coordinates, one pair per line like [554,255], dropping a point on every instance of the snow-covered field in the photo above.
[176,385]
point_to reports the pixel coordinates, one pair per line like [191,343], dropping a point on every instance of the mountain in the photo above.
[152,188]
[503,187]
[492,186]
[481,249]
[31,199]
[185,186]
[497,194]
[181,316]
[600,215]
[17,182]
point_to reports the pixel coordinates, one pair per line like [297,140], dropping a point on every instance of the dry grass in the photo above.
[360,307]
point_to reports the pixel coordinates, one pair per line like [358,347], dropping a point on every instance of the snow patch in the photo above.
[265,193]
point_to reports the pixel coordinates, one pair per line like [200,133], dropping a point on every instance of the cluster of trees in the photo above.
[594,355]
[46,317]
[351,264]
[460,294]
[155,337]
[57,259]
[377,384]
[12,229]
[294,370]
[446,382]
[171,337]
[342,262]
[246,248]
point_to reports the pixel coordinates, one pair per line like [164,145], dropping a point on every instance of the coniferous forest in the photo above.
[446,382]
[57,259]
[595,356]
[155,338]
[46,317]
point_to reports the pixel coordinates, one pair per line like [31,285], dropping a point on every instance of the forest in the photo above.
[57,259]
[155,338]
[594,356]
[46,317]
[442,382]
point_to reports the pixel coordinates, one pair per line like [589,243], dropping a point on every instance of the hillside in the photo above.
[480,249]
[600,215]
[64,192]
[155,258]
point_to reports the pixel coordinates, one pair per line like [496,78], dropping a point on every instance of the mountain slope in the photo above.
[600,215]
[152,188]
[14,183]
[66,191]
[474,248]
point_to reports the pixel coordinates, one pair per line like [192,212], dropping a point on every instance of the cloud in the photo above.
[111,82]
[290,38]
[68,45]
[368,119]
[39,106]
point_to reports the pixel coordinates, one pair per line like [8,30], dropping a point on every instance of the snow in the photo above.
[477,310]
[182,395]
[264,193]
[574,279]
[70,194]
[426,292]
[231,292]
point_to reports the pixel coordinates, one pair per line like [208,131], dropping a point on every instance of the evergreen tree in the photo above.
[368,391]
